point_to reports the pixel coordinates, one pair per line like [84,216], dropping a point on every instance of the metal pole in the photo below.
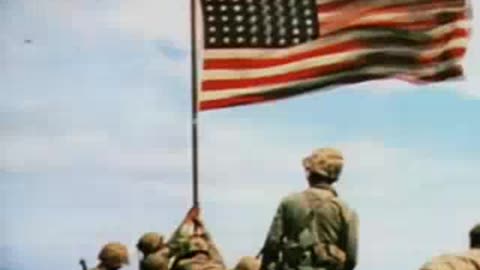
[194,103]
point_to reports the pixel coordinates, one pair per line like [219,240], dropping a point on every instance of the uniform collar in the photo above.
[325,187]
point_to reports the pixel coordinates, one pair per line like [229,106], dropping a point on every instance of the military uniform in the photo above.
[154,261]
[469,260]
[153,244]
[313,229]
[198,255]
[248,263]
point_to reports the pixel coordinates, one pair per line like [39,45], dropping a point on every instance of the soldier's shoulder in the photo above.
[471,254]
[292,197]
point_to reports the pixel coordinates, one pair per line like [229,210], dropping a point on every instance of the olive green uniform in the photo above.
[313,229]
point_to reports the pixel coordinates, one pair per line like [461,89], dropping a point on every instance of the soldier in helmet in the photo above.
[314,229]
[469,260]
[113,256]
[155,261]
[248,263]
[196,255]
[152,243]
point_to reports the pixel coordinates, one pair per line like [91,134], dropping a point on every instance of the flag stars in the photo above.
[259,23]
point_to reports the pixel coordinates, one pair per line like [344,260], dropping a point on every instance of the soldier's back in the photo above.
[331,213]
[469,260]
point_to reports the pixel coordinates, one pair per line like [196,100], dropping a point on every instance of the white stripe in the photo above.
[325,60]
[360,8]
[319,43]
[420,72]
[339,21]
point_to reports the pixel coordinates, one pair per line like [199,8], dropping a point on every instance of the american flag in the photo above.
[261,50]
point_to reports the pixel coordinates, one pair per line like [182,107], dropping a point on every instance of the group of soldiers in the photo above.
[311,230]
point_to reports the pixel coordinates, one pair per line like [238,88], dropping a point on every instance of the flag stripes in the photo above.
[359,40]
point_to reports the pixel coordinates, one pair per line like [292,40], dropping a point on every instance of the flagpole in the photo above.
[194,104]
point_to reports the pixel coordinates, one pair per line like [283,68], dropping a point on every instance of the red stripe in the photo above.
[348,17]
[333,6]
[264,63]
[329,29]
[364,11]
[212,85]
[445,55]
[218,85]
[241,64]
[228,102]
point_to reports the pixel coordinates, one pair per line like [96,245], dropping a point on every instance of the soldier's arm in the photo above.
[274,237]
[351,247]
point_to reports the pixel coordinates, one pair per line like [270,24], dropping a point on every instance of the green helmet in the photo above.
[150,242]
[155,262]
[114,255]
[475,231]
[475,236]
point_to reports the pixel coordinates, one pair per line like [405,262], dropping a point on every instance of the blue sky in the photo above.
[95,143]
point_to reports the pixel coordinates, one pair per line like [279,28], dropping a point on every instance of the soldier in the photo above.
[113,256]
[155,261]
[196,255]
[469,260]
[248,263]
[152,243]
[314,229]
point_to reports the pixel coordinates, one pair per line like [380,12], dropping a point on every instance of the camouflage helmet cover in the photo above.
[114,255]
[150,242]
[155,262]
[248,263]
[327,162]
